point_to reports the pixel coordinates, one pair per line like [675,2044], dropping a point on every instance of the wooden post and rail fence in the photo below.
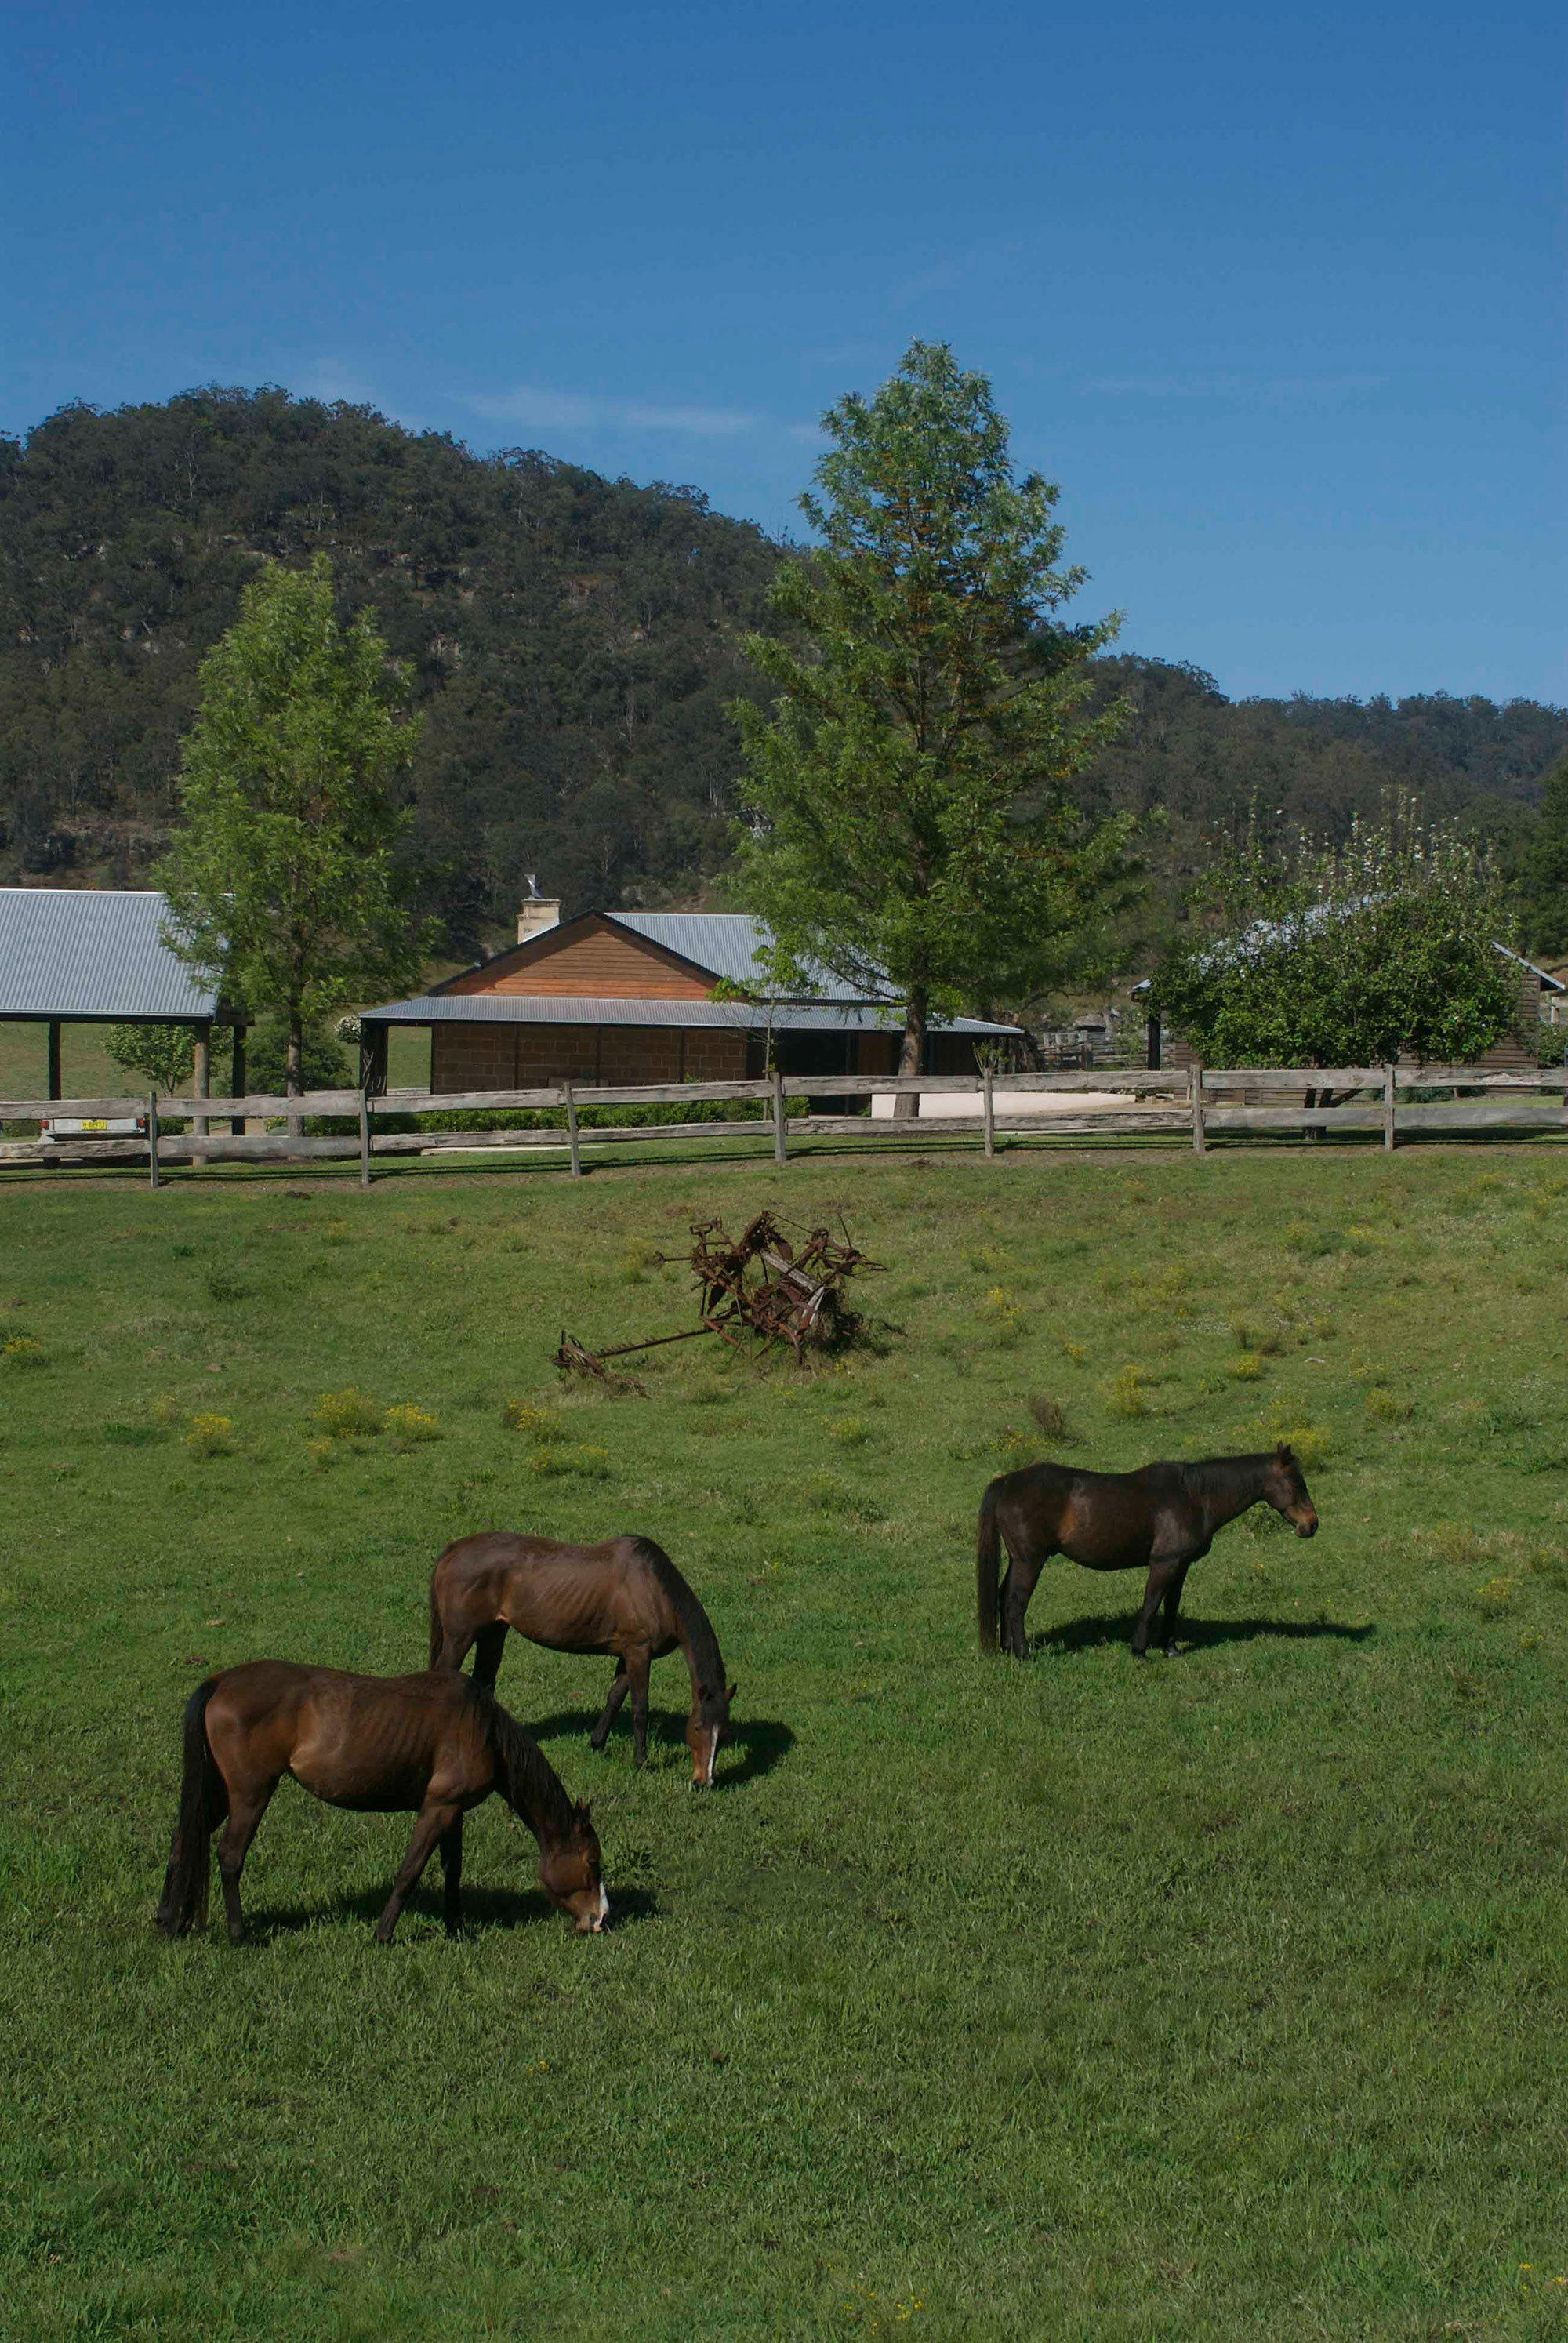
[1202,1102]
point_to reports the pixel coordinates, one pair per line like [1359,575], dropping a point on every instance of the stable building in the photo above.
[621,998]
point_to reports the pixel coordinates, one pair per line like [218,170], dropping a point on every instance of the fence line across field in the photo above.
[1201,1101]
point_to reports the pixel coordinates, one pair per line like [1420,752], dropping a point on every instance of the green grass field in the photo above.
[1221,1998]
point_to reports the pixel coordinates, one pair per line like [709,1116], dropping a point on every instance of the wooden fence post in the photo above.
[365,1139]
[1199,1139]
[152,1139]
[572,1129]
[777,1116]
[989,1110]
[1388,1107]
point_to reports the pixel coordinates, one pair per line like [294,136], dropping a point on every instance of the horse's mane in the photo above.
[706,1657]
[529,1782]
[1213,1475]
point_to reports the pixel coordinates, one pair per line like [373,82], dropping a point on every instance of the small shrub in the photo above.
[321,1453]
[1388,1407]
[1127,1393]
[849,1432]
[1309,1243]
[348,1415]
[1051,1418]
[209,1435]
[589,1463]
[1016,1448]
[1323,1330]
[535,1423]
[1247,1368]
[223,1288]
[1075,1352]
[410,1424]
[166,1412]
[1310,1444]
[1448,1543]
[22,1353]
[1494,1595]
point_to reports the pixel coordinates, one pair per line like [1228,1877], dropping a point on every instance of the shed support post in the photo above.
[365,1139]
[55,1089]
[990,1112]
[1388,1109]
[152,1139]
[201,1076]
[779,1151]
[1200,1140]
[238,1080]
[572,1130]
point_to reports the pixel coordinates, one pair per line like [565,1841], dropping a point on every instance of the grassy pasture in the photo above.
[1220,1997]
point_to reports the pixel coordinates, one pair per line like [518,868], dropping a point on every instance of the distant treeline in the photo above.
[573,642]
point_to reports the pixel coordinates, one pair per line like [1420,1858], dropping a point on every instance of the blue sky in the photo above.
[1275,295]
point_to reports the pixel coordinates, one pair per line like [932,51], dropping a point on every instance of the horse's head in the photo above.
[1286,1490]
[706,1727]
[571,1874]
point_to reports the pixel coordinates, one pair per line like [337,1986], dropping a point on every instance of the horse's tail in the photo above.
[201,1797]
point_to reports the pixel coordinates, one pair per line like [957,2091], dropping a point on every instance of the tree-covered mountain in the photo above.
[571,639]
[573,642]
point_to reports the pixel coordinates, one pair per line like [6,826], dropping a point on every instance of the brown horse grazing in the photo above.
[625,1597]
[381,1745]
[1163,1516]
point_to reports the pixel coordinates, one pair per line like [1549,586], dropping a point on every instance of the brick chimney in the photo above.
[537,913]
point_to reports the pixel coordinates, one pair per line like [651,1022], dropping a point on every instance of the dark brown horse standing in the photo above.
[1161,1517]
[380,1744]
[625,1597]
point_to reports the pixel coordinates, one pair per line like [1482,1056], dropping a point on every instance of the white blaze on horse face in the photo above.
[603,1913]
[715,1733]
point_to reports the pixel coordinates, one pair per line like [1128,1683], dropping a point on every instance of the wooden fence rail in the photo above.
[1205,1101]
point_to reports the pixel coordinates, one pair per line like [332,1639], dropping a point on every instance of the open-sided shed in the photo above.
[89,956]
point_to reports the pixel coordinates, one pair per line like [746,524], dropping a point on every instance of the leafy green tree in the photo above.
[1544,890]
[907,814]
[164,1055]
[1308,954]
[283,880]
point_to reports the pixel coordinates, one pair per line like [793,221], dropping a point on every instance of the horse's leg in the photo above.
[1164,1572]
[620,1686]
[452,1877]
[488,1645]
[246,1810]
[636,1662]
[432,1823]
[1173,1604]
[1018,1582]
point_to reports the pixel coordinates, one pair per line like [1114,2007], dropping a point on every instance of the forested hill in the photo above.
[573,640]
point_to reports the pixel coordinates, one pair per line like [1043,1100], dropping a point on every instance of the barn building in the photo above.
[628,997]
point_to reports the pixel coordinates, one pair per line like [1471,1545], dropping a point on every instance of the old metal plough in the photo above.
[756,1283]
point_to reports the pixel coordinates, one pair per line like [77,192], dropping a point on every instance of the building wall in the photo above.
[524,1057]
[589,958]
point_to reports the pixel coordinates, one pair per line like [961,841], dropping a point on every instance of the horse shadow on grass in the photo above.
[502,1910]
[756,1745]
[1090,1633]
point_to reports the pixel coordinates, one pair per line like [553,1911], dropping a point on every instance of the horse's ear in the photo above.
[731,1692]
[581,1810]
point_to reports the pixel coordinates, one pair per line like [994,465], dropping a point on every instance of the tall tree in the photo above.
[283,880]
[1545,888]
[908,818]
[1308,954]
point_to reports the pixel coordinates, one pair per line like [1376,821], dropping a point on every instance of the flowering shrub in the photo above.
[348,1415]
[209,1435]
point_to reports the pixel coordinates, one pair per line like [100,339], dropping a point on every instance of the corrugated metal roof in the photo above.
[724,941]
[587,1009]
[75,951]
